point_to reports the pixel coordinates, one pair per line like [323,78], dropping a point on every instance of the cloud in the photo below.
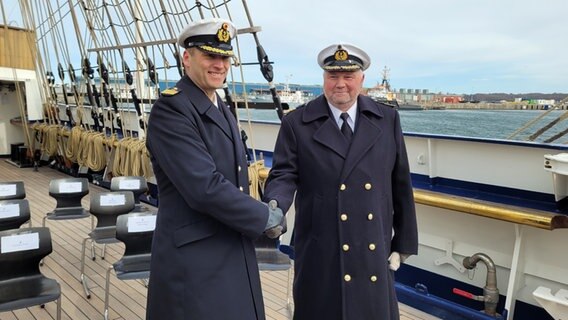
[442,45]
[446,42]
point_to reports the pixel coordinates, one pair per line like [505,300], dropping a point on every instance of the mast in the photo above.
[265,64]
[87,72]
[385,81]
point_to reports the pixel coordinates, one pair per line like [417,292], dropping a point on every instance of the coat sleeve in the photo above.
[405,238]
[179,151]
[282,180]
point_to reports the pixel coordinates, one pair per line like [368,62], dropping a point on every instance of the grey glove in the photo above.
[276,221]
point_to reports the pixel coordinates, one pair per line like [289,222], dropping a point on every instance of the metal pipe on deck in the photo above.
[490,291]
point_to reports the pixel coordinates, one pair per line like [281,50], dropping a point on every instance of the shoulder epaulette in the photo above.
[171,91]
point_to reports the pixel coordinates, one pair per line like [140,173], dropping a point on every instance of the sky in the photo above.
[457,46]
[448,46]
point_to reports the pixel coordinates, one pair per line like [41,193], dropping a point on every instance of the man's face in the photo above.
[342,88]
[207,71]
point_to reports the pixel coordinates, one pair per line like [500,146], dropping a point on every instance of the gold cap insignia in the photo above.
[341,55]
[223,34]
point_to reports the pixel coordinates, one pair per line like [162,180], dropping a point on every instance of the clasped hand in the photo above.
[276,225]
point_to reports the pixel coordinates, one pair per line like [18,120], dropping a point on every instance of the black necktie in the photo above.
[345,128]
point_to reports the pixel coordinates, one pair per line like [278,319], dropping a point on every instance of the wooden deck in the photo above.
[128,298]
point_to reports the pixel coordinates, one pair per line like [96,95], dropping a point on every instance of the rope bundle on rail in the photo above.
[131,159]
[256,183]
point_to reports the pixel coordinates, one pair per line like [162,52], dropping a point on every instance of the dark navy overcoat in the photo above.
[350,197]
[203,260]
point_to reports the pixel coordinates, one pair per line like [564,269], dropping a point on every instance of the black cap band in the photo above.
[331,60]
[209,40]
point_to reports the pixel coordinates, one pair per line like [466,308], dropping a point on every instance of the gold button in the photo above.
[347,278]
[372,246]
[345,247]
[240,168]
[342,187]
[343,217]
[241,188]
[373,278]
[370,216]
[367,186]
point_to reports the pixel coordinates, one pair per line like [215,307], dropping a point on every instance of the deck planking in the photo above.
[127,298]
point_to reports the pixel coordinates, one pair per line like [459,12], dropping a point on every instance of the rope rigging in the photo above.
[133,44]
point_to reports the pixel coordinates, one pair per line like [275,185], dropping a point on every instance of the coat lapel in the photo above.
[233,125]
[366,134]
[219,119]
[205,107]
[329,136]
[328,133]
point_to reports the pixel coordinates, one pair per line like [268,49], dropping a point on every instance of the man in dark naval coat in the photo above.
[203,260]
[344,156]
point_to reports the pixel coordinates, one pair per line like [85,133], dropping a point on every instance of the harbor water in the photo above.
[494,124]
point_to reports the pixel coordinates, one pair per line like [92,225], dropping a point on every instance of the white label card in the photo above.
[70,187]
[7,190]
[141,223]
[20,242]
[83,170]
[109,200]
[129,184]
[9,210]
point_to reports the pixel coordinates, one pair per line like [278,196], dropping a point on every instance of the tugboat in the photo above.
[382,93]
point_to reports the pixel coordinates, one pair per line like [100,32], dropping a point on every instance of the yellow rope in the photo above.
[98,157]
[50,142]
[135,156]
[255,182]
[62,140]
[146,163]
[82,154]
[92,152]
[131,158]
[116,170]
[74,144]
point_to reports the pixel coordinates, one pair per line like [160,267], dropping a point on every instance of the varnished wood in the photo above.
[17,47]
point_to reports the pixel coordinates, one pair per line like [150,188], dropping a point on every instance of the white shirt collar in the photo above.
[216,101]
[337,115]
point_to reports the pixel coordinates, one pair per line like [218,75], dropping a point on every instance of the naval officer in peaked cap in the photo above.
[342,158]
[203,258]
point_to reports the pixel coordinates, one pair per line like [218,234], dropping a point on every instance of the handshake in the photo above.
[276,224]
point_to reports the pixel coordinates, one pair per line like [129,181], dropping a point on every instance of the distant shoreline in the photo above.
[487,106]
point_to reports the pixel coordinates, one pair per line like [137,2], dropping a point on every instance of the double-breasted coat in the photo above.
[350,197]
[203,260]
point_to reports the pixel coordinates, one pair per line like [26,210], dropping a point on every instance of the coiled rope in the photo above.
[255,182]
[73,144]
[131,158]
[92,153]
